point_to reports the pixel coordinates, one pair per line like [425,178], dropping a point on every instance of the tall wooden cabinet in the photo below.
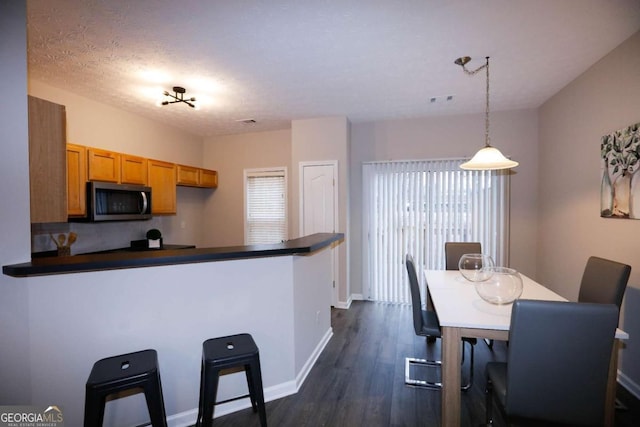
[47,161]
[162,180]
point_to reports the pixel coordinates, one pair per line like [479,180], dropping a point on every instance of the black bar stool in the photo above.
[124,372]
[224,353]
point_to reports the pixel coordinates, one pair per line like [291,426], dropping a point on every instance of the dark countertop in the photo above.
[118,260]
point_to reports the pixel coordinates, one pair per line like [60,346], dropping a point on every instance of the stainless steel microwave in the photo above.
[117,202]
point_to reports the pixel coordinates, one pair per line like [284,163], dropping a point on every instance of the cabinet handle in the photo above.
[145,203]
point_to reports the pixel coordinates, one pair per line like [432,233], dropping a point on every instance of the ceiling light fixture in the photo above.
[488,158]
[178,96]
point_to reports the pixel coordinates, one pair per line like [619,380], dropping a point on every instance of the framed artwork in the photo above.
[620,188]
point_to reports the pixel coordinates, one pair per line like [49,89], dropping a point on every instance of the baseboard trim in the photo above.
[630,385]
[346,305]
[188,418]
[302,375]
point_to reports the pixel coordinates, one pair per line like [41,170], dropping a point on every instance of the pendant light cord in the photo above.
[487,139]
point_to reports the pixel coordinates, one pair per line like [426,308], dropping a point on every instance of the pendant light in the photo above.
[488,158]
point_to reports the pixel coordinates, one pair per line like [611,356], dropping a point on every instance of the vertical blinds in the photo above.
[415,207]
[266,207]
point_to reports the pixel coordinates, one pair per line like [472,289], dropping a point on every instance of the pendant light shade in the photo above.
[488,158]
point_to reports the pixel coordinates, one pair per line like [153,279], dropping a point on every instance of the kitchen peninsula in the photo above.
[86,307]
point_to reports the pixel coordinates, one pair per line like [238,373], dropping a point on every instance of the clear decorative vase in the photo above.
[475,267]
[503,287]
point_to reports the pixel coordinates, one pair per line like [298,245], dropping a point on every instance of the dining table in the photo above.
[463,313]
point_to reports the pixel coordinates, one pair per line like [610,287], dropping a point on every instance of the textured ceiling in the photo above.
[279,60]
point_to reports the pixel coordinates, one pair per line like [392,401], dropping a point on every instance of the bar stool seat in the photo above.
[224,353]
[120,373]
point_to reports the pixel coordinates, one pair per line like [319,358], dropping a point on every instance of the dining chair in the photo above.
[567,385]
[426,324]
[454,250]
[604,281]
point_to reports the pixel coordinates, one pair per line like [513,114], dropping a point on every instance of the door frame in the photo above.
[336,210]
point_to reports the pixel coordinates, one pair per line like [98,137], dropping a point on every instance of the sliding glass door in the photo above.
[415,207]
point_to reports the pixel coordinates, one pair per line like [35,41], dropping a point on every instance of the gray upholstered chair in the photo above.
[426,324]
[604,281]
[566,385]
[454,250]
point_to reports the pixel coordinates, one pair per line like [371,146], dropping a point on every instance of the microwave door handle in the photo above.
[145,203]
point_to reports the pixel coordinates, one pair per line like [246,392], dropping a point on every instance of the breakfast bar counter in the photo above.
[87,307]
[109,261]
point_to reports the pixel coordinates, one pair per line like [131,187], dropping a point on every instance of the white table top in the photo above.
[458,304]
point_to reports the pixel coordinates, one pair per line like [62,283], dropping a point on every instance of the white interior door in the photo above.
[319,207]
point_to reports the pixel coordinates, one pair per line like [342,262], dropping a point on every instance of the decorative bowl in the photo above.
[503,287]
[475,267]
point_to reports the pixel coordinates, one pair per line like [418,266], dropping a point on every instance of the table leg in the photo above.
[610,400]
[451,359]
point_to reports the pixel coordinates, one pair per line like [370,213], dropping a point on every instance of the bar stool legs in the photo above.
[223,353]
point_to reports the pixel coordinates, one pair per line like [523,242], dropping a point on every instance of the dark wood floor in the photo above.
[359,379]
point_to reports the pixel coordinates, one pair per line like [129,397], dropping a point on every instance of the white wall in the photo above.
[15,374]
[515,133]
[230,155]
[605,98]
[325,138]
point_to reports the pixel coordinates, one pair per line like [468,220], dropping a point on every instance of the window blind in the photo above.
[415,207]
[266,206]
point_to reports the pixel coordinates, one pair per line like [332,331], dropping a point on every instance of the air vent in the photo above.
[247,121]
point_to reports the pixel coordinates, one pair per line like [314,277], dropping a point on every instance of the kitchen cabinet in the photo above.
[190,176]
[187,175]
[162,180]
[133,169]
[76,180]
[208,178]
[103,165]
[47,161]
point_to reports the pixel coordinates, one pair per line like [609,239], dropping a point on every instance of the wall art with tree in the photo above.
[620,188]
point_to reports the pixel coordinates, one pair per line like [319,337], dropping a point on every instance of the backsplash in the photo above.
[186,227]
[92,236]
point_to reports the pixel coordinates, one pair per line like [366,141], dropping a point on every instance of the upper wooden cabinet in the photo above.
[208,178]
[94,164]
[133,170]
[47,161]
[162,180]
[76,180]
[187,175]
[103,165]
[190,176]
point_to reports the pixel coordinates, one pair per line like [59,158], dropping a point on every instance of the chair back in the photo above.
[604,281]
[558,361]
[416,300]
[454,250]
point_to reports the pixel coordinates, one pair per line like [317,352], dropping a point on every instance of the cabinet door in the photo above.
[103,165]
[47,161]
[162,180]
[187,175]
[133,169]
[76,180]
[208,178]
